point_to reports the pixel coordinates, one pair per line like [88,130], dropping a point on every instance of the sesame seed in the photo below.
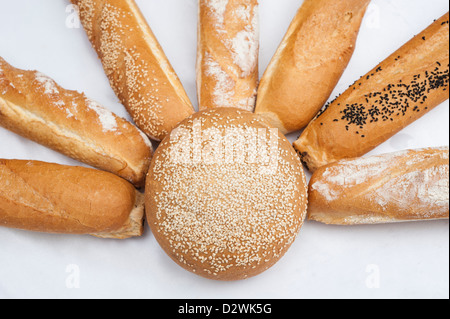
[227,216]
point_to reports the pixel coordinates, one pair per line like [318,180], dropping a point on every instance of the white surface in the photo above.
[385,261]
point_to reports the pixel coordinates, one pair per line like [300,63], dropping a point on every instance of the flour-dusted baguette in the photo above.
[309,62]
[400,90]
[137,68]
[227,57]
[34,106]
[53,198]
[404,186]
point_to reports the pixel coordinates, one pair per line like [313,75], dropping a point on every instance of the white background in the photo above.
[386,261]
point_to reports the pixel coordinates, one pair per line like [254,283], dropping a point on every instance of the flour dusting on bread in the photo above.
[48,84]
[224,87]
[107,119]
[218,8]
[407,185]
[245,44]
[228,54]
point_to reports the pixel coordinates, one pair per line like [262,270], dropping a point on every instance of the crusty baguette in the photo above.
[34,106]
[400,90]
[405,186]
[227,57]
[309,62]
[53,198]
[137,68]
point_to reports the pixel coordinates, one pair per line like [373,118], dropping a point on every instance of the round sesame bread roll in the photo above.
[226,194]
[400,90]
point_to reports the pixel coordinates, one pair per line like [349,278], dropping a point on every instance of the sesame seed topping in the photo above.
[146,88]
[228,216]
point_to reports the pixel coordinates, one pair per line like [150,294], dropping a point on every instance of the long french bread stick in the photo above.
[309,62]
[53,198]
[227,57]
[404,186]
[400,90]
[137,68]
[34,106]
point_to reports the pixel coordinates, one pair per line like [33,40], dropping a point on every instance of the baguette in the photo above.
[227,57]
[400,90]
[309,62]
[34,106]
[405,186]
[53,198]
[137,68]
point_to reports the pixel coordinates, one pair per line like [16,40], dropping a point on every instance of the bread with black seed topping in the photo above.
[400,90]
